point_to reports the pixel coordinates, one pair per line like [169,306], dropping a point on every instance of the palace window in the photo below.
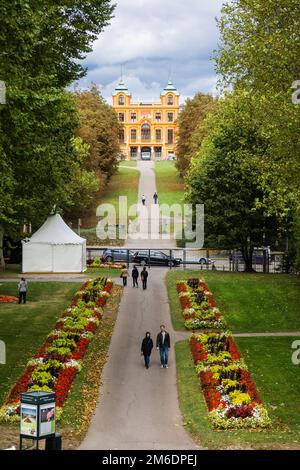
[121,117]
[170,117]
[121,136]
[170,100]
[121,100]
[158,134]
[157,152]
[157,117]
[146,132]
[133,135]
[170,136]
[133,117]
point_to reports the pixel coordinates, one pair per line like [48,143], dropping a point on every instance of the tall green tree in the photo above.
[41,43]
[99,128]
[224,176]
[192,115]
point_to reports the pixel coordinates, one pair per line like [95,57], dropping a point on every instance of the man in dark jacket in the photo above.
[144,277]
[163,344]
[135,276]
[146,349]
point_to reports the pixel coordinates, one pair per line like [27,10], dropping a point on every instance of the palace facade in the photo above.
[149,129]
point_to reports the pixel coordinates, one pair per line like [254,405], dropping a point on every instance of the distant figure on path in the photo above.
[155,197]
[135,276]
[146,349]
[124,274]
[22,288]
[163,344]
[144,277]
[143,199]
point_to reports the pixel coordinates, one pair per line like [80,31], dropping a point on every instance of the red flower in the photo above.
[64,383]
[233,349]
[8,298]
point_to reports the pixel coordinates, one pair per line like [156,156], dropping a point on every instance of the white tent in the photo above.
[54,248]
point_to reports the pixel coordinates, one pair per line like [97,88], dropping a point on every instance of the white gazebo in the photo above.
[54,248]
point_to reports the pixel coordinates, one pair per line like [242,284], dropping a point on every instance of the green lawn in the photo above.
[23,328]
[105,272]
[170,187]
[249,302]
[128,163]
[278,381]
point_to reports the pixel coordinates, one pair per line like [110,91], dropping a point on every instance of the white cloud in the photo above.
[150,37]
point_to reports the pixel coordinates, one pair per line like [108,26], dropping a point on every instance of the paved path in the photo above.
[147,186]
[138,408]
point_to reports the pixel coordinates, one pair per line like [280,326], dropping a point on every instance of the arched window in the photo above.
[121,100]
[146,132]
[170,100]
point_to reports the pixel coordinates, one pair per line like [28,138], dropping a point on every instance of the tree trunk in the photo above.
[247,253]
[2,262]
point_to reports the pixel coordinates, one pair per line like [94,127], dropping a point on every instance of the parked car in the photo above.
[157,258]
[257,258]
[204,260]
[115,254]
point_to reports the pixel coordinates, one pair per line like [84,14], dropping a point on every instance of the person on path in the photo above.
[143,199]
[135,276]
[124,274]
[144,277]
[22,288]
[163,344]
[146,348]
[155,197]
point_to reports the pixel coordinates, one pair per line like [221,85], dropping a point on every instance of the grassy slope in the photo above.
[170,186]
[250,302]
[278,381]
[123,183]
[23,328]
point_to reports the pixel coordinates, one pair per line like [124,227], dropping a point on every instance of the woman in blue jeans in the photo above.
[146,349]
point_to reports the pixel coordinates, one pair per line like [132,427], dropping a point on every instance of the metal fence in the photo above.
[184,258]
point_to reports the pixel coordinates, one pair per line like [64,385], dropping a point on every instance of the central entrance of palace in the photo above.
[146,153]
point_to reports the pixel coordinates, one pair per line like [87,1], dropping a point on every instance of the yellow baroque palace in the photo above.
[149,129]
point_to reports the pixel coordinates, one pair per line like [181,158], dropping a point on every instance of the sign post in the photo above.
[37,416]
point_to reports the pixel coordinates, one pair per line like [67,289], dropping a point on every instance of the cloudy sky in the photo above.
[152,40]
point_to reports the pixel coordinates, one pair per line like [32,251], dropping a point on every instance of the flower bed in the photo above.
[97,263]
[198,306]
[8,299]
[58,360]
[230,393]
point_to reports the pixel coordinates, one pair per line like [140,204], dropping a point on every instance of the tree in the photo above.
[259,52]
[100,130]
[41,43]
[194,111]
[224,177]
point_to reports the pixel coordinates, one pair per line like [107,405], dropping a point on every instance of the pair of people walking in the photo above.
[155,198]
[163,344]
[135,276]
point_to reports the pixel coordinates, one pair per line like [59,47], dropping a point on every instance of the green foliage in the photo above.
[259,52]
[191,131]
[225,177]
[99,129]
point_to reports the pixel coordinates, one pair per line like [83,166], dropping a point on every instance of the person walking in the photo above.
[144,277]
[135,276]
[143,199]
[155,197]
[146,348]
[22,288]
[124,274]
[163,344]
